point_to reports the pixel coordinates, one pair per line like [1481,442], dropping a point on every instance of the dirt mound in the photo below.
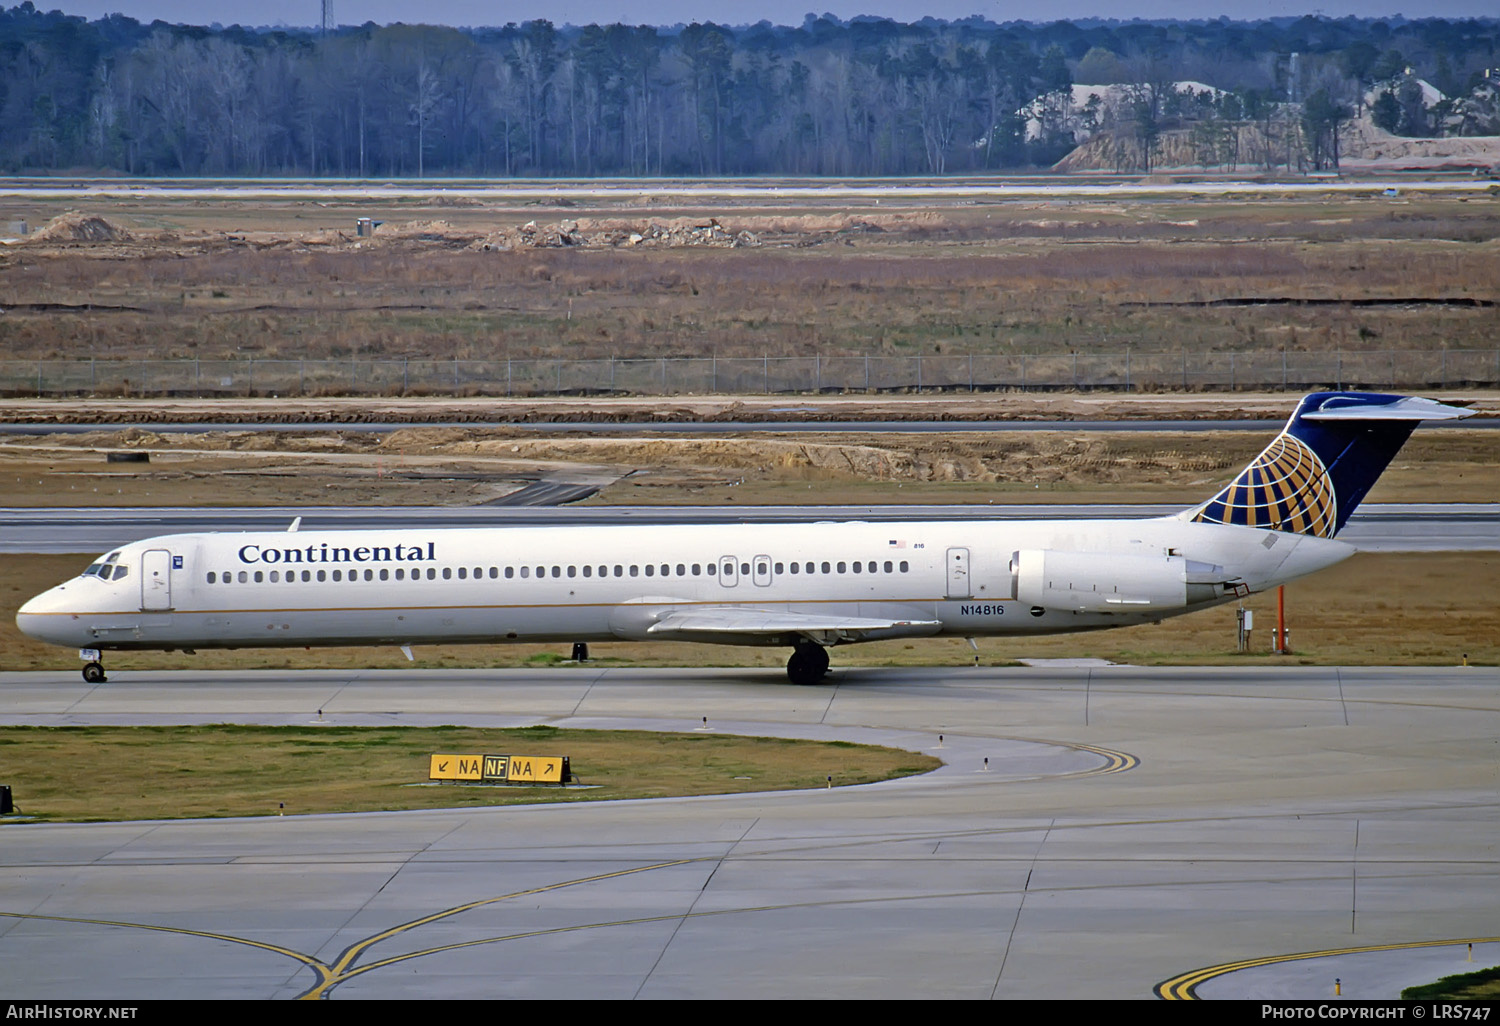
[1361,143]
[76,227]
[1365,144]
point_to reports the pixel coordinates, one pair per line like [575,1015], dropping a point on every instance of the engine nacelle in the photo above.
[1115,582]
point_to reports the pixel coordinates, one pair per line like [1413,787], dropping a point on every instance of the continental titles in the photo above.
[325,553]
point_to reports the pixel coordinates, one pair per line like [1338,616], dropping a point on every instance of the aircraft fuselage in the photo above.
[638,582]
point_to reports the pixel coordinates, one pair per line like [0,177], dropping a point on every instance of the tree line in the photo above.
[868,96]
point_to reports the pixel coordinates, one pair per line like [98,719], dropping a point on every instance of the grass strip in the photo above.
[93,774]
[1483,985]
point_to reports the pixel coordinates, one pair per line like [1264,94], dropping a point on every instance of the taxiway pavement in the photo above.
[1134,826]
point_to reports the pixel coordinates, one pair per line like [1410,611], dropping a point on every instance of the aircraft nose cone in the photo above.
[28,621]
[39,617]
[31,608]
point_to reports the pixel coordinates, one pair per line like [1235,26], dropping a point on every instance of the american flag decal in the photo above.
[1286,488]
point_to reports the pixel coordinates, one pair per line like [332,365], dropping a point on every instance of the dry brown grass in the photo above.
[1001,280]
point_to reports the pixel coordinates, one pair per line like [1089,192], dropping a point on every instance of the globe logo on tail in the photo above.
[1286,488]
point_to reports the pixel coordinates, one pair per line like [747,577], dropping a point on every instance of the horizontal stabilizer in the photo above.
[1407,407]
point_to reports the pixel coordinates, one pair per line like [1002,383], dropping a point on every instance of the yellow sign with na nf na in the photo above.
[516,769]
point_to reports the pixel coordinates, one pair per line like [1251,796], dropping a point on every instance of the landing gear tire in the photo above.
[93,673]
[808,664]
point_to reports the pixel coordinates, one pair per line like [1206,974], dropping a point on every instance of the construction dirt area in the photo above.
[489,448]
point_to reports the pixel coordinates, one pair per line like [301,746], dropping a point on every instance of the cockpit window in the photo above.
[107,569]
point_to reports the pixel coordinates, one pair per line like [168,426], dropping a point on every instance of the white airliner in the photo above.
[805,586]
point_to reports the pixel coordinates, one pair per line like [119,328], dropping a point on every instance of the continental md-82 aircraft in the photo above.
[807,587]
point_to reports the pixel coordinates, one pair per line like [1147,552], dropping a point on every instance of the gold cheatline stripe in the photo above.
[244,611]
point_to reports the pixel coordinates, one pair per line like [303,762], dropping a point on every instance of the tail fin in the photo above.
[1313,475]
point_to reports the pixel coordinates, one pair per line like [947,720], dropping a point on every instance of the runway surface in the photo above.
[1393,527]
[1135,827]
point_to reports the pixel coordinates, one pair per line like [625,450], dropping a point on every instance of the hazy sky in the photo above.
[736,12]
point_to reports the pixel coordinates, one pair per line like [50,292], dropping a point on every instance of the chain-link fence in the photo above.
[1146,372]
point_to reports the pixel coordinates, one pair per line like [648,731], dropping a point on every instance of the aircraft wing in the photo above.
[751,622]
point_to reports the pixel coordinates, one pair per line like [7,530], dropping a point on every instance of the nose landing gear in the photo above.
[808,664]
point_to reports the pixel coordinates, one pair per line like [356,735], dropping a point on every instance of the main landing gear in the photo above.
[808,664]
[93,672]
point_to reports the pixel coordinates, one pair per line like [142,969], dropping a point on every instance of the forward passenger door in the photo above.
[156,580]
